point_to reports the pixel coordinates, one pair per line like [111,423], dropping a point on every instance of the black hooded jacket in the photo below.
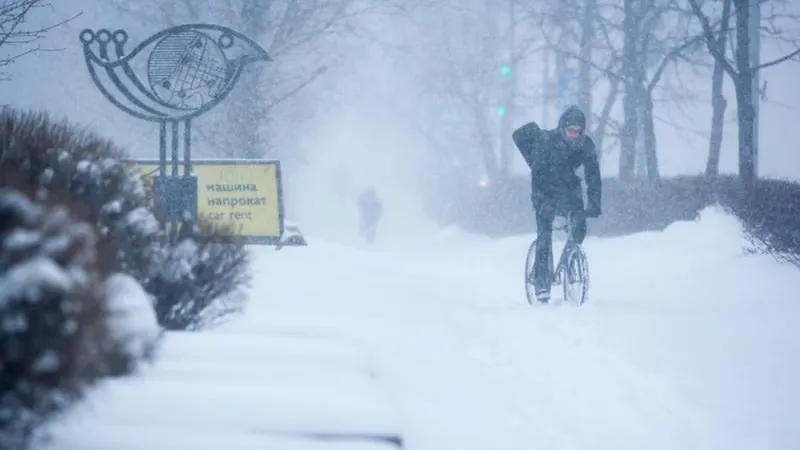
[553,163]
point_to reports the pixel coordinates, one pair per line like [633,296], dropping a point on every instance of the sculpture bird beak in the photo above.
[262,54]
[252,52]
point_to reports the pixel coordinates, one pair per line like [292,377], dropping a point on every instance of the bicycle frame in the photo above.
[567,227]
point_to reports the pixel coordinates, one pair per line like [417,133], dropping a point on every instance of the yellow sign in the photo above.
[245,195]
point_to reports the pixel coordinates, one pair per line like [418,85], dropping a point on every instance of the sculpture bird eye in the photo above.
[225,41]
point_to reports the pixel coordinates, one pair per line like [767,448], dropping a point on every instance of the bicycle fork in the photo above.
[569,246]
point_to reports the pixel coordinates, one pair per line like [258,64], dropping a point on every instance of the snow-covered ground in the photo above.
[686,343]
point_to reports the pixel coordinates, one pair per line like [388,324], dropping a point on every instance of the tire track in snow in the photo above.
[585,390]
[493,378]
[562,387]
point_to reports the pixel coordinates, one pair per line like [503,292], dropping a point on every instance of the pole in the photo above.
[561,80]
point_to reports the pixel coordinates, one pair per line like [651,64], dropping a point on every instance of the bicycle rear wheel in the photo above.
[576,277]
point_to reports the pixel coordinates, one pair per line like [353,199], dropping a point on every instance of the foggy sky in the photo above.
[372,94]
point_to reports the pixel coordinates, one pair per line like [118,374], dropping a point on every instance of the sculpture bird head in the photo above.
[237,48]
[242,51]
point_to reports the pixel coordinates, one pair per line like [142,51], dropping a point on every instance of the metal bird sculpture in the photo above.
[171,78]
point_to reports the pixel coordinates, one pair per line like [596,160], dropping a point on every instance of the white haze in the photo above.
[362,131]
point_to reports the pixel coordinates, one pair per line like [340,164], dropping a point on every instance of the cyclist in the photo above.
[554,157]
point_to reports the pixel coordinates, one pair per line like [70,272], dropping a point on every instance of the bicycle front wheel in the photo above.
[576,277]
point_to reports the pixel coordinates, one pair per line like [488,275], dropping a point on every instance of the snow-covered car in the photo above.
[291,236]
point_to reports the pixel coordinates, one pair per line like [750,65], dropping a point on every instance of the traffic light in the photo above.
[505,71]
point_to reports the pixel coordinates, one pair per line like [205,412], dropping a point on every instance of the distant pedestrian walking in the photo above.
[370,212]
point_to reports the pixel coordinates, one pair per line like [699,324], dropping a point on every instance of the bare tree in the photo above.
[654,39]
[471,45]
[18,38]
[658,38]
[472,53]
[297,34]
[632,29]
[718,101]
[741,73]
[582,36]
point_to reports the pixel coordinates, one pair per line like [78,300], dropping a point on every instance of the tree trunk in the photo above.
[719,104]
[718,101]
[642,114]
[487,147]
[627,151]
[744,95]
[562,84]
[648,125]
[547,91]
[584,68]
[605,116]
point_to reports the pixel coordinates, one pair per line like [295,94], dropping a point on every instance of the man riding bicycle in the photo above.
[554,157]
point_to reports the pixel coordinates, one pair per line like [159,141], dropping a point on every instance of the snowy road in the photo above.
[684,344]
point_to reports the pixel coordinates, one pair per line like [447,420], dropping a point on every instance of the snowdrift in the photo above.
[686,342]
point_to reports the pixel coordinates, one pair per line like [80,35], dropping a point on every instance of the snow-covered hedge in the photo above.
[199,279]
[61,327]
[770,216]
[58,157]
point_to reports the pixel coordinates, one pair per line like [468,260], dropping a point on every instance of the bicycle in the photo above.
[573,258]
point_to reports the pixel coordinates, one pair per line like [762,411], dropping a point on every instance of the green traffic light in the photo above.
[505,71]
[501,111]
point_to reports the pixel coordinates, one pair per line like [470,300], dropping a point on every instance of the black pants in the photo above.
[567,204]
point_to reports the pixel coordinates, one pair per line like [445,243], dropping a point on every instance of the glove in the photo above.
[593,211]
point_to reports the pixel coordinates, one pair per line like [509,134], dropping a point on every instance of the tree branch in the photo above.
[14,15]
[671,56]
[314,75]
[717,53]
[779,60]
[613,76]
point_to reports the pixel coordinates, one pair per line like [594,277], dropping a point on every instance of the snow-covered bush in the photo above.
[199,279]
[770,216]
[56,156]
[56,333]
